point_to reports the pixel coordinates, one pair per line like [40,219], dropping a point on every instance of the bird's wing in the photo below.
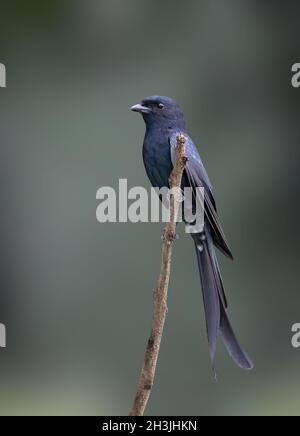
[198,177]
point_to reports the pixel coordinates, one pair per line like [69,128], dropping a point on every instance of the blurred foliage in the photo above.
[75,295]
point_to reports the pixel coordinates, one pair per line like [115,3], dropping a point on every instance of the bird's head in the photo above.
[160,111]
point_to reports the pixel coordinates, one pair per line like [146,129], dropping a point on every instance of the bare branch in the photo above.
[161,292]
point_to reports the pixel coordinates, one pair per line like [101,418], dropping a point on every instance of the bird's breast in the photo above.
[157,160]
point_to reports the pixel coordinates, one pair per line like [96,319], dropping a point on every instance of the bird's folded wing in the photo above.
[198,177]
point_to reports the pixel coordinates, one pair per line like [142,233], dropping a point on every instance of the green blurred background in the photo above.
[76,296]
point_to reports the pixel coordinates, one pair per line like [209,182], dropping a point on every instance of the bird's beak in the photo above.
[140,109]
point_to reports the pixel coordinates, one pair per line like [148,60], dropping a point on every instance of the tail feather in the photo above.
[215,302]
[217,274]
[236,352]
[210,295]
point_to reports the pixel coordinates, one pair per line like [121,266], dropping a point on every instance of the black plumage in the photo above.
[164,122]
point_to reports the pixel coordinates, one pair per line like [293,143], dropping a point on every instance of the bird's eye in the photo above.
[160,105]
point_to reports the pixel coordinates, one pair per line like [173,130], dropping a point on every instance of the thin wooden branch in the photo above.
[161,292]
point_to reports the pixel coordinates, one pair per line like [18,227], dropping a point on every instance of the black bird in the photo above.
[164,121]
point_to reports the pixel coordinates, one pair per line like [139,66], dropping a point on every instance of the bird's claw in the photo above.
[166,237]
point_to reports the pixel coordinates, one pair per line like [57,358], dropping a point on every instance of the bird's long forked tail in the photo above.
[215,303]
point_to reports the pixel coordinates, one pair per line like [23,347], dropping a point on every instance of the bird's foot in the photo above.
[167,237]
